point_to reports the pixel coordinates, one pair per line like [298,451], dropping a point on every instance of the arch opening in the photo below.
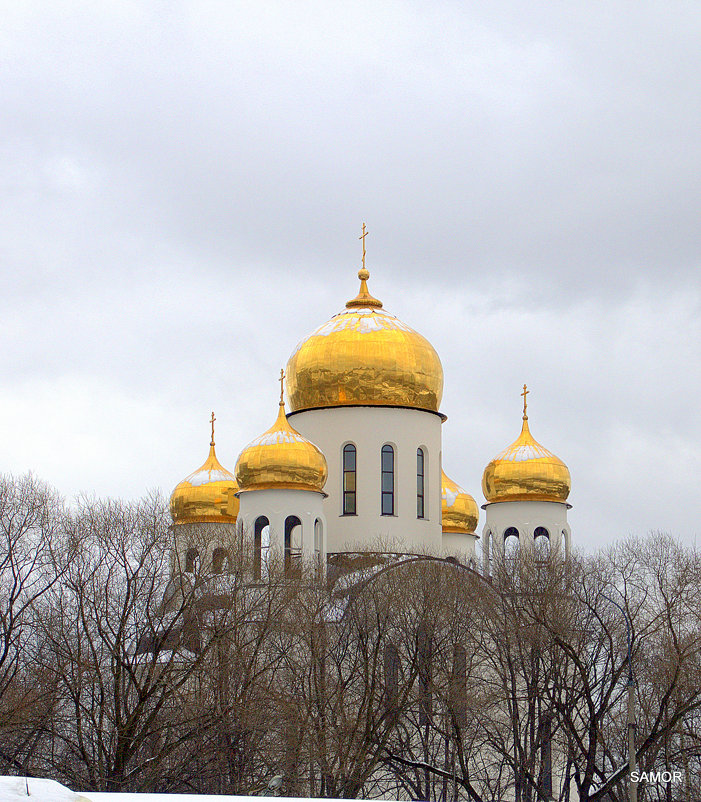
[511,542]
[220,561]
[293,547]
[541,543]
[192,558]
[261,542]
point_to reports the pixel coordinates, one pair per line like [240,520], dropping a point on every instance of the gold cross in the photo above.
[362,237]
[212,422]
[282,386]
[525,405]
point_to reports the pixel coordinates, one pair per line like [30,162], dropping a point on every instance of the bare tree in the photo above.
[31,516]
[547,689]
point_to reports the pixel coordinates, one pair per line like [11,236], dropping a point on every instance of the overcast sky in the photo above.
[183,186]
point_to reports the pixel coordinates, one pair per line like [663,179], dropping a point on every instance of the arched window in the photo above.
[541,542]
[510,542]
[258,533]
[424,648]
[546,771]
[349,468]
[318,545]
[420,483]
[219,557]
[318,536]
[458,686]
[391,666]
[387,501]
[191,560]
[293,546]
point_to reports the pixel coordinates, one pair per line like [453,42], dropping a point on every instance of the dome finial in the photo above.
[363,298]
[282,387]
[525,404]
[212,419]
[362,237]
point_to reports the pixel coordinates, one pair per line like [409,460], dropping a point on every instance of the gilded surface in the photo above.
[281,458]
[364,355]
[459,511]
[207,495]
[526,471]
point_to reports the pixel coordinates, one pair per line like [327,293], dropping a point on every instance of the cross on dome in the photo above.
[363,299]
[362,237]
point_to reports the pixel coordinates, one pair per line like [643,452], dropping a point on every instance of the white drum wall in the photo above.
[525,516]
[368,429]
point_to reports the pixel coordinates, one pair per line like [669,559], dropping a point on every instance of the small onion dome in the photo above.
[364,356]
[526,471]
[281,458]
[207,495]
[459,511]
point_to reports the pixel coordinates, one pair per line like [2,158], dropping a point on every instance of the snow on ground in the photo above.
[14,789]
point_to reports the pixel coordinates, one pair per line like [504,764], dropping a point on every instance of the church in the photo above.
[352,464]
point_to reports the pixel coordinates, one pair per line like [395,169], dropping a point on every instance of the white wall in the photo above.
[369,428]
[460,545]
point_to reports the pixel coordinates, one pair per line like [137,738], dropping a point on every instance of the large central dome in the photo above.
[364,356]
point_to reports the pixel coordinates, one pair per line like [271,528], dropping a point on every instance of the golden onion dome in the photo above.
[526,471]
[364,356]
[459,511]
[281,458]
[207,495]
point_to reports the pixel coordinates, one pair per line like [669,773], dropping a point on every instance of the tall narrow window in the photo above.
[458,686]
[420,481]
[349,458]
[318,545]
[387,480]
[391,661]
[546,766]
[425,656]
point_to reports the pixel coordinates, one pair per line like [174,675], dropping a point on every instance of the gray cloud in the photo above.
[183,184]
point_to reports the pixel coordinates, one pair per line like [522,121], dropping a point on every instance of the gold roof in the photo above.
[459,509]
[207,495]
[526,471]
[364,356]
[281,458]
